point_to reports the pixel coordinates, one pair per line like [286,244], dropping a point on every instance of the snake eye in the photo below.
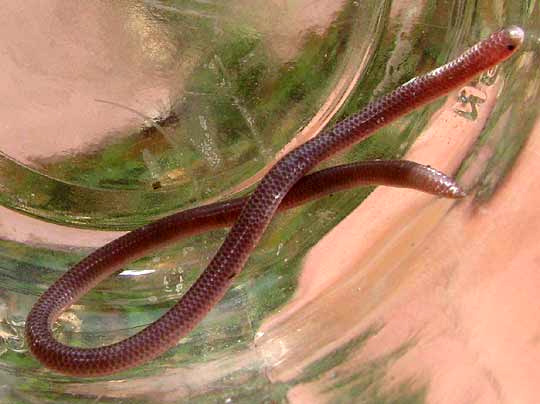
[513,36]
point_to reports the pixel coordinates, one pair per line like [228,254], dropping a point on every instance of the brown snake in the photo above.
[252,217]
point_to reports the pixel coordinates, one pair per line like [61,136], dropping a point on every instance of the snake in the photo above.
[287,184]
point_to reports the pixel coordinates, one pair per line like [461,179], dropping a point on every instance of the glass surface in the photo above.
[118,113]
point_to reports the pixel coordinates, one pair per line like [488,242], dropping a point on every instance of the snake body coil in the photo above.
[252,218]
